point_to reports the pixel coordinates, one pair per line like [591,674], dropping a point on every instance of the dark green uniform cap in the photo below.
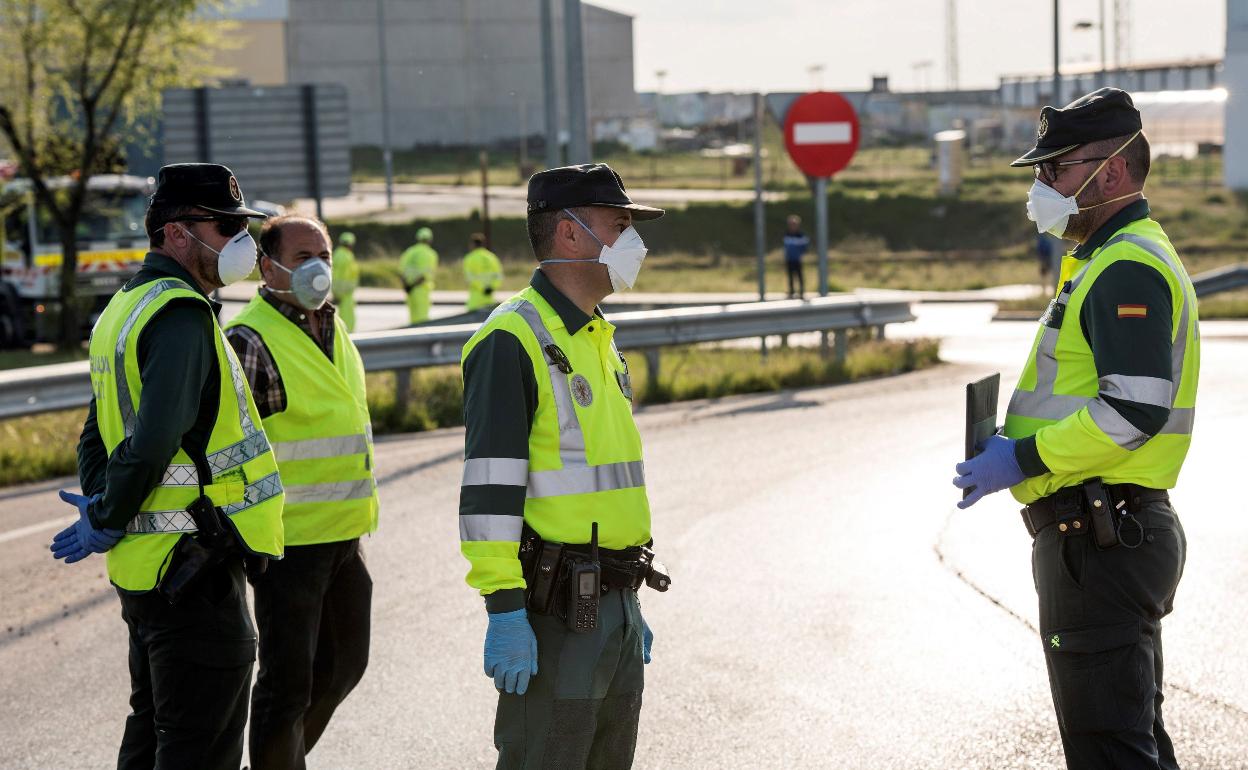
[589,184]
[208,186]
[1103,114]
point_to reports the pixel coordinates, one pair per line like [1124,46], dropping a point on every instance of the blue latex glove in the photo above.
[995,468]
[79,540]
[510,651]
[647,641]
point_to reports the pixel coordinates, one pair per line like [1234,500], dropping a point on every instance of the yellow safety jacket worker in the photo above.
[244,483]
[419,263]
[346,277]
[585,460]
[1060,397]
[484,273]
[323,439]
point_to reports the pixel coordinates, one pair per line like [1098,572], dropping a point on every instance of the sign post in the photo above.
[821,134]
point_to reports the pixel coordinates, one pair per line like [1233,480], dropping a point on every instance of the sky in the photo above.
[768,45]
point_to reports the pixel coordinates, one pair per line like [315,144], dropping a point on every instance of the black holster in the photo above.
[547,564]
[195,554]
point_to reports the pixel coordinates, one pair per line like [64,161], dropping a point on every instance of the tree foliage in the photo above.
[78,78]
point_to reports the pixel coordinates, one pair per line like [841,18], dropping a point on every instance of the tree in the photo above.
[76,76]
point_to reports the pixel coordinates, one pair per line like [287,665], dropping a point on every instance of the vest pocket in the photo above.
[1101,677]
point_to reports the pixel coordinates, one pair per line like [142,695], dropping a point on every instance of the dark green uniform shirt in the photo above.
[500,399]
[178,368]
[1139,347]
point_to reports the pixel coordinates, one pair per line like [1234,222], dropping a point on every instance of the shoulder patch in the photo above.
[1133,311]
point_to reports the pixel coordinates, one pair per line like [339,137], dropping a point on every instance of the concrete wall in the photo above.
[461,72]
[260,57]
[1235,77]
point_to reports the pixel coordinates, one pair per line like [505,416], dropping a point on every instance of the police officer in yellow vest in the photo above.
[180,486]
[312,607]
[418,266]
[1097,431]
[553,455]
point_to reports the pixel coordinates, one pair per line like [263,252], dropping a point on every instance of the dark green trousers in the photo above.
[581,709]
[1100,622]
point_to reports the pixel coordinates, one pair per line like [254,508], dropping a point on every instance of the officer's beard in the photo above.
[1085,222]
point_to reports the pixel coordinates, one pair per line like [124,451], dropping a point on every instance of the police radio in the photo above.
[584,588]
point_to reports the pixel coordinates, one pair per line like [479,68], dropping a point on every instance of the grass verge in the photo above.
[44,446]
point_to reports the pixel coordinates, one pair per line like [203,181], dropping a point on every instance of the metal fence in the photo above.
[39,389]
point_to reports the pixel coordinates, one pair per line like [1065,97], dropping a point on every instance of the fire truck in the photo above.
[111,246]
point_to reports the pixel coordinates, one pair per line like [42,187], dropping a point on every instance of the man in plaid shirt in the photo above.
[313,606]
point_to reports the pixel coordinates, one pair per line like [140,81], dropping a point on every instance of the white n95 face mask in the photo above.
[1051,211]
[309,283]
[623,258]
[235,260]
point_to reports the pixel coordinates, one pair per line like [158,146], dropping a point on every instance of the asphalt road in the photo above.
[830,607]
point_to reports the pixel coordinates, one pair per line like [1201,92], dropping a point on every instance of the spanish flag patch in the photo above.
[1133,311]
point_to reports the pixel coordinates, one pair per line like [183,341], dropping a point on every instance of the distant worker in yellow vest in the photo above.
[1097,431]
[418,266]
[484,274]
[180,486]
[553,513]
[346,279]
[313,607]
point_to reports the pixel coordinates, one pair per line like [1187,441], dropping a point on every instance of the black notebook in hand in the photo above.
[981,415]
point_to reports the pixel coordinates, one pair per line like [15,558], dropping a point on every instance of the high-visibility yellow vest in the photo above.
[483,271]
[323,440]
[1060,379]
[585,462]
[244,483]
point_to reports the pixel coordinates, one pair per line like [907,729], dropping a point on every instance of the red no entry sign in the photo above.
[821,133]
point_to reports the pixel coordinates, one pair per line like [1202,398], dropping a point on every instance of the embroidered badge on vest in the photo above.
[581,391]
[1133,311]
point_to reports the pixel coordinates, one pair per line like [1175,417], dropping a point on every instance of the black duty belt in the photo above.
[1068,507]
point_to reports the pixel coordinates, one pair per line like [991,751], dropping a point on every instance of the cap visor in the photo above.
[640,213]
[1040,154]
[237,211]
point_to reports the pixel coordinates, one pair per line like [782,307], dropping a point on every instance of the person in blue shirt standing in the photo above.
[795,245]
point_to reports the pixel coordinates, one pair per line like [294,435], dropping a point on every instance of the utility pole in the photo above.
[760,219]
[951,43]
[550,94]
[579,149]
[386,156]
[1104,61]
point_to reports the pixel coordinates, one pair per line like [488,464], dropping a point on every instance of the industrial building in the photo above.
[459,72]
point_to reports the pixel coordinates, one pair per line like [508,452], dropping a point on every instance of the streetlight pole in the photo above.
[579,149]
[386,157]
[550,94]
[1057,57]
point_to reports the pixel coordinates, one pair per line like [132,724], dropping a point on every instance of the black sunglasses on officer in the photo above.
[226,226]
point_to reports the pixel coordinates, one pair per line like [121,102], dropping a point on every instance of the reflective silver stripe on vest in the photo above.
[329,492]
[234,456]
[240,385]
[585,480]
[571,439]
[128,416]
[1042,403]
[321,448]
[508,471]
[162,522]
[1114,425]
[487,527]
[1153,391]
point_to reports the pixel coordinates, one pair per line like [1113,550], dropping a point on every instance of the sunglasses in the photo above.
[226,226]
[1048,170]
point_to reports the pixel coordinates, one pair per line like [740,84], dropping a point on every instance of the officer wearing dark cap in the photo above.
[179,484]
[553,516]
[1097,431]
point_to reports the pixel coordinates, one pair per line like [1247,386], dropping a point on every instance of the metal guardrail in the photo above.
[37,389]
[1220,279]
